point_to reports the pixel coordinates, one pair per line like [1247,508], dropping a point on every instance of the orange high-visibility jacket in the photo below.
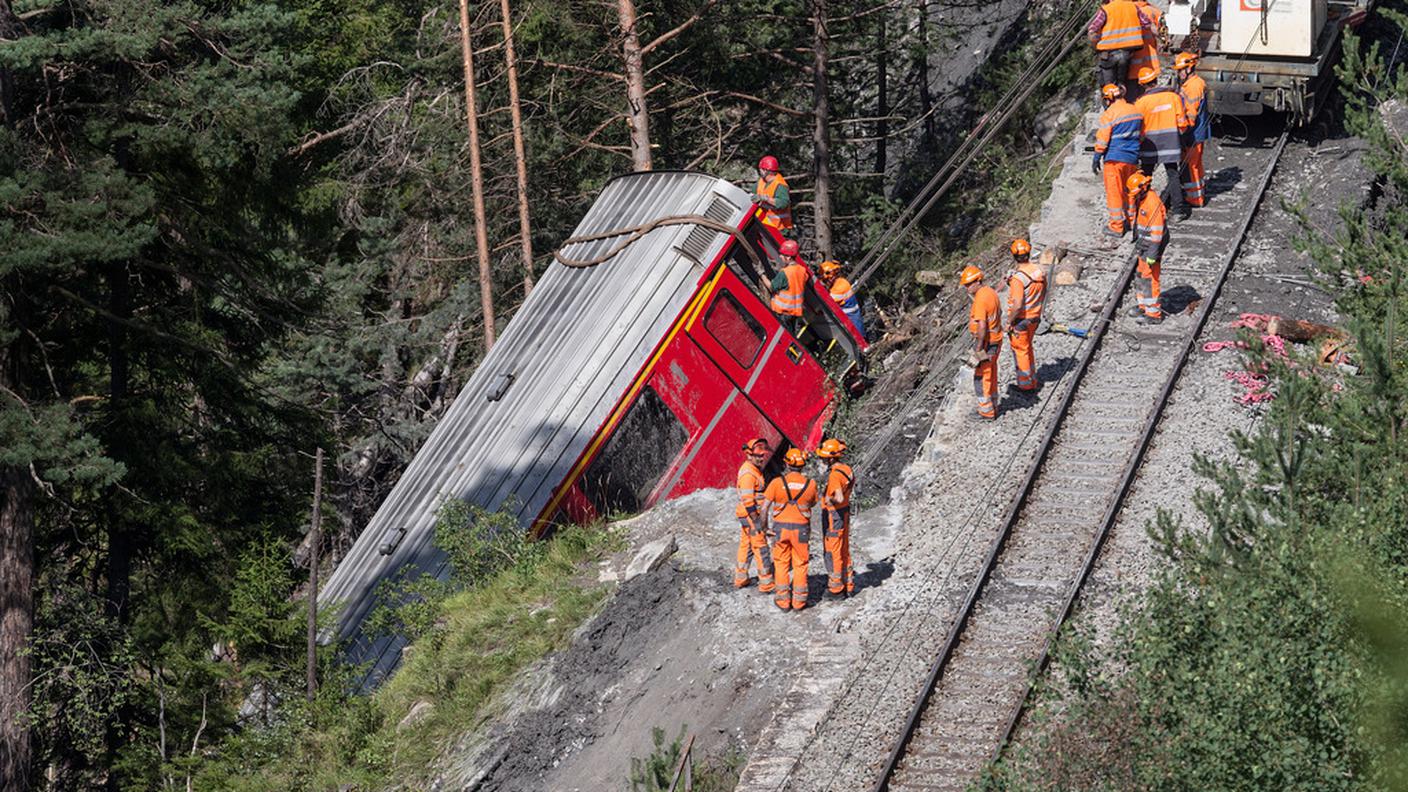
[793,496]
[1026,292]
[842,293]
[1151,221]
[1121,129]
[789,300]
[781,219]
[1148,54]
[1123,28]
[839,483]
[1194,91]
[985,307]
[750,490]
[1164,118]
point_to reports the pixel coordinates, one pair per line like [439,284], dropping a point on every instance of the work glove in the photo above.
[972,360]
[1096,160]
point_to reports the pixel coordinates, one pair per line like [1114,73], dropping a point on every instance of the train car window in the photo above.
[737,332]
[638,454]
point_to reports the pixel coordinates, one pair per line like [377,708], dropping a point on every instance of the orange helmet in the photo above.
[970,274]
[757,444]
[769,162]
[1185,60]
[788,248]
[1137,181]
[829,268]
[831,448]
[1021,247]
[1147,75]
[795,457]
[1111,91]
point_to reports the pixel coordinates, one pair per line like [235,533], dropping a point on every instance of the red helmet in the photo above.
[789,247]
[769,162]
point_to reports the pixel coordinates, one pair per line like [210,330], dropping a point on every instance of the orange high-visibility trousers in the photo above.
[840,576]
[790,555]
[1023,355]
[1117,204]
[753,544]
[1193,175]
[985,382]
[1146,288]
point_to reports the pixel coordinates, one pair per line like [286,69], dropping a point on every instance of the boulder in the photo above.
[651,557]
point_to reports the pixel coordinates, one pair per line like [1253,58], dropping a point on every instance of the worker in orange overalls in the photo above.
[793,496]
[1117,31]
[985,324]
[772,195]
[788,286]
[1150,239]
[1116,156]
[1154,37]
[752,520]
[842,293]
[1026,293]
[1165,121]
[836,518]
[1194,91]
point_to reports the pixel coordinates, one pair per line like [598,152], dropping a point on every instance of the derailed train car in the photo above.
[1262,55]
[633,378]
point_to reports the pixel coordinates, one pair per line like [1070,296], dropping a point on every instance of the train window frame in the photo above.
[643,447]
[749,321]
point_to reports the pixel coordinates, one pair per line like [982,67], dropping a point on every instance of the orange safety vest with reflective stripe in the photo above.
[839,483]
[1151,221]
[793,495]
[1194,91]
[1026,292]
[1148,54]
[1122,26]
[842,293]
[985,307]
[750,489]
[789,300]
[1164,118]
[781,219]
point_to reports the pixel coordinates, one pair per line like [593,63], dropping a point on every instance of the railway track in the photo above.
[1052,534]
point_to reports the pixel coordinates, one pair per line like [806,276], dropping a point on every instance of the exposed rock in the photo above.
[651,557]
[418,713]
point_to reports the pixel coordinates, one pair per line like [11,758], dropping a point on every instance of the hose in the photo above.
[638,231]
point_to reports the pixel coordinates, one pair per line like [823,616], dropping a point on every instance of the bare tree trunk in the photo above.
[882,103]
[638,117]
[821,131]
[16,614]
[926,93]
[520,157]
[315,544]
[476,176]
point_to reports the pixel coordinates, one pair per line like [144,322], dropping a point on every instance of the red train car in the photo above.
[632,378]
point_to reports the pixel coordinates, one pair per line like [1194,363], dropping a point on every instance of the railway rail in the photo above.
[1052,534]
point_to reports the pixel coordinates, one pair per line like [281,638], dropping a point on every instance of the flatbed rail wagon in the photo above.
[634,378]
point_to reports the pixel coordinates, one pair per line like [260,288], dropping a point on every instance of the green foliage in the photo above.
[655,772]
[485,635]
[1269,652]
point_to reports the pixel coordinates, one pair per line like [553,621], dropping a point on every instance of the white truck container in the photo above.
[1284,28]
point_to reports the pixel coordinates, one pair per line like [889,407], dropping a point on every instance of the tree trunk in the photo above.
[315,546]
[119,559]
[882,104]
[9,31]
[476,177]
[821,131]
[638,117]
[16,613]
[926,93]
[520,157]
